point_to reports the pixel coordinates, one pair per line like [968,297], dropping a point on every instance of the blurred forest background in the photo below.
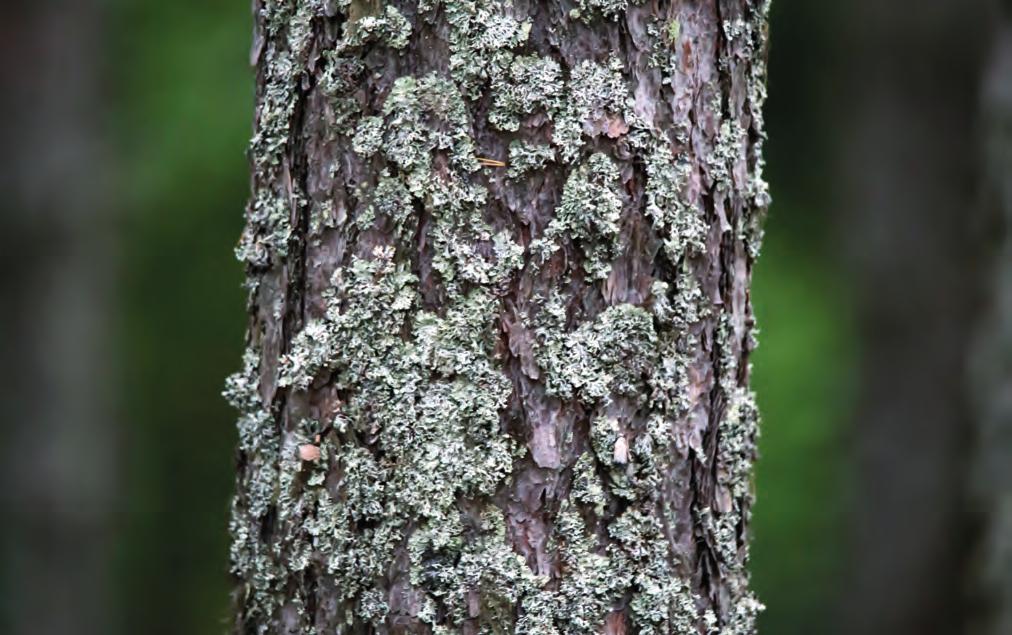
[123,208]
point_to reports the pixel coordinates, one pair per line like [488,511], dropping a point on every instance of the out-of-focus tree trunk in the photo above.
[497,366]
[991,362]
[57,433]
[908,110]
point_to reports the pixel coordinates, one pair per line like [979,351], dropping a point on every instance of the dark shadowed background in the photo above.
[124,126]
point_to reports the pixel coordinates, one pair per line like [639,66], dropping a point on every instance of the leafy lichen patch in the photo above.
[525,157]
[390,27]
[608,355]
[528,84]
[597,101]
[589,212]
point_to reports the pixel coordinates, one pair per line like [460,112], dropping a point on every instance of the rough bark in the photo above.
[991,360]
[497,365]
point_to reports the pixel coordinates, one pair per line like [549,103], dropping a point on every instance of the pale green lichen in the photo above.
[431,403]
[597,102]
[750,40]
[607,355]
[322,216]
[411,136]
[368,136]
[594,582]
[338,82]
[589,213]
[389,199]
[525,157]
[680,224]
[529,84]
[488,578]
[352,314]
[738,432]
[587,488]
[663,602]
[275,198]
[260,441]
[608,8]
[423,117]
[480,39]
[672,30]
[727,153]
[390,28]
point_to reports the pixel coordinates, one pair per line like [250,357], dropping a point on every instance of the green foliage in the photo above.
[804,375]
[182,94]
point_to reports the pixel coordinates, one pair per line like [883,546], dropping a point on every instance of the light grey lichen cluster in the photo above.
[286,61]
[260,441]
[592,101]
[483,40]
[588,213]
[598,103]
[588,9]
[428,408]
[680,224]
[338,81]
[525,157]
[269,226]
[398,378]
[389,27]
[424,118]
[602,357]
[528,84]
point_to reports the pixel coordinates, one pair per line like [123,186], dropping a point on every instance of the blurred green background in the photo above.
[180,115]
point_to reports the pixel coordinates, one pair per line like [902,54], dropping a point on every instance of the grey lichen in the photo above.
[672,30]
[391,28]
[530,83]
[680,224]
[423,115]
[481,39]
[597,102]
[606,355]
[368,136]
[607,8]
[276,199]
[389,199]
[258,434]
[525,157]
[431,404]
[338,81]
[589,213]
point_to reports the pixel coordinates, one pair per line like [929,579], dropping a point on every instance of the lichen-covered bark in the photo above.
[497,368]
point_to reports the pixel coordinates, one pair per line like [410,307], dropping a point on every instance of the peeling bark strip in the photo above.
[500,398]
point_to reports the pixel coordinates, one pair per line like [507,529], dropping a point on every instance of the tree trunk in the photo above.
[907,175]
[991,360]
[497,365]
[58,437]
